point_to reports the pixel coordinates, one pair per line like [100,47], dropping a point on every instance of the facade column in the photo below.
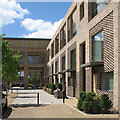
[66,74]
[26,71]
[117,58]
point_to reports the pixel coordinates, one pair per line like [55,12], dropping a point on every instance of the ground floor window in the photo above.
[107,81]
[69,81]
[60,80]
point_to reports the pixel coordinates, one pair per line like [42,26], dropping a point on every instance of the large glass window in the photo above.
[57,44]
[52,50]
[63,63]
[56,66]
[63,37]
[98,47]
[82,11]
[33,59]
[52,68]
[107,81]
[70,81]
[74,24]
[97,7]
[73,59]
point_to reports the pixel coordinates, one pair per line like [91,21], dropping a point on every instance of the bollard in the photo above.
[63,96]
[17,89]
[37,98]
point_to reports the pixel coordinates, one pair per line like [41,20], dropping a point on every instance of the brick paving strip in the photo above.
[50,108]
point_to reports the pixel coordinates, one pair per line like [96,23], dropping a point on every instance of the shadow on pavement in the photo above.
[25,97]
[28,105]
[7,113]
[62,119]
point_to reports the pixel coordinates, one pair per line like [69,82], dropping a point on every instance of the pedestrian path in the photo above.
[30,98]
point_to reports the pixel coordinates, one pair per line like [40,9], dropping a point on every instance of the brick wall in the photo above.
[107,26]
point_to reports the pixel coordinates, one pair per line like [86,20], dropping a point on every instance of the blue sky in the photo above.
[32,19]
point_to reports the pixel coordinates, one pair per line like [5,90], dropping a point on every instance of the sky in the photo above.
[31,19]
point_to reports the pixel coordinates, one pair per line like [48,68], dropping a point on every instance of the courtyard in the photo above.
[23,104]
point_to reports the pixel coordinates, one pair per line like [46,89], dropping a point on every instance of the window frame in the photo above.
[101,44]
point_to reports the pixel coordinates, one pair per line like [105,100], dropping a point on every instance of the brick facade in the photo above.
[87,27]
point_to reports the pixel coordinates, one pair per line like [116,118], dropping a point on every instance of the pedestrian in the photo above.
[64,90]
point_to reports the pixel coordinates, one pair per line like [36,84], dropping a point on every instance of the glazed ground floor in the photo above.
[31,75]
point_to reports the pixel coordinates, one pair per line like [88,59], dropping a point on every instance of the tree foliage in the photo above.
[10,63]
[35,79]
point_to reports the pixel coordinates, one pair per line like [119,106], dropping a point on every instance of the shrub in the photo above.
[52,87]
[49,85]
[87,106]
[105,103]
[46,85]
[82,94]
[96,107]
[88,103]
[81,99]
[59,85]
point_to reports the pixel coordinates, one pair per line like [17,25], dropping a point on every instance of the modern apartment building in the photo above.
[85,50]
[34,57]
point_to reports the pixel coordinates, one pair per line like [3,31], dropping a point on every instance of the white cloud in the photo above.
[40,28]
[9,11]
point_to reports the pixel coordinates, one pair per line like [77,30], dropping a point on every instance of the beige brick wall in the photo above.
[108,20]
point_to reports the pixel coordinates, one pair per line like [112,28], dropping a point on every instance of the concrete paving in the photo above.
[50,107]
[30,98]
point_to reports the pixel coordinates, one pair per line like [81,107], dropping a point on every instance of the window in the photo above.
[69,81]
[33,59]
[74,24]
[63,63]
[73,59]
[107,81]
[98,47]
[63,37]
[57,44]
[95,7]
[82,11]
[56,66]
[52,50]
[52,68]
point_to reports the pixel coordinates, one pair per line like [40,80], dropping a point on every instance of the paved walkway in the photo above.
[25,106]
[29,98]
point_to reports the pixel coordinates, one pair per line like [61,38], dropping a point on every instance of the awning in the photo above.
[70,70]
[92,64]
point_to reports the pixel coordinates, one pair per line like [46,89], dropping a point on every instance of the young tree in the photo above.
[38,78]
[10,64]
[32,78]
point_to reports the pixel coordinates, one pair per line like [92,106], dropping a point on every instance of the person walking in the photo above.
[64,91]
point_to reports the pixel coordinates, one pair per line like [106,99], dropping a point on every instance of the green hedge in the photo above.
[51,86]
[92,103]
[81,99]
[105,103]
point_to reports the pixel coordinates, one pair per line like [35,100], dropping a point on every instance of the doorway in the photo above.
[83,71]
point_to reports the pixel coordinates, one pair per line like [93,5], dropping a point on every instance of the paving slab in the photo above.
[30,98]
